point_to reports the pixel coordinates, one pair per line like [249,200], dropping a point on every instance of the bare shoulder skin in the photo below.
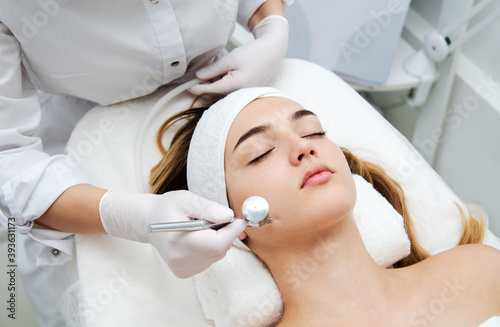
[458,287]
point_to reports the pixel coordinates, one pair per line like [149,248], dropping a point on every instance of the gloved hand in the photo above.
[126,214]
[252,64]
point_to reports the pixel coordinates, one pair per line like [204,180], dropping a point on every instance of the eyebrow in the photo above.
[251,132]
[267,127]
[302,113]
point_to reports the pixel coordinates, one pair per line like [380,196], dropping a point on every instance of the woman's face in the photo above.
[278,150]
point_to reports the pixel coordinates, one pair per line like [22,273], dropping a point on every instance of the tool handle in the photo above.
[185,226]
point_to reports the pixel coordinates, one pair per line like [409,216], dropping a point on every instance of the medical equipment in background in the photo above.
[359,45]
[255,212]
[437,46]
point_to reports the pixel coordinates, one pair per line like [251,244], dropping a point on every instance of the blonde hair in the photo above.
[170,174]
[472,229]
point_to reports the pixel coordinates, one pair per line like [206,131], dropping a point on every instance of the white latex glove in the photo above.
[126,214]
[252,64]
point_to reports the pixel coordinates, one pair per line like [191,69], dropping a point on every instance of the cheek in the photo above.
[271,184]
[270,187]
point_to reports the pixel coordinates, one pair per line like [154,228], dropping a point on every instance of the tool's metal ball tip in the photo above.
[256,211]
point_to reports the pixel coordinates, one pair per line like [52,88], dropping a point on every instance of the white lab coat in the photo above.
[92,51]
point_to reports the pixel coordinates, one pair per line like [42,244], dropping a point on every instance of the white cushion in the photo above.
[103,145]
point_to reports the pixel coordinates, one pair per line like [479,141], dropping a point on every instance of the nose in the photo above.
[311,152]
[302,150]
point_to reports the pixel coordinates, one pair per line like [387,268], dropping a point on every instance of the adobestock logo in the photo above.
[427,314]
[298,273]
[263,310]
[92,306]
[363,37]
[457,114]
[32,25]
[83,308]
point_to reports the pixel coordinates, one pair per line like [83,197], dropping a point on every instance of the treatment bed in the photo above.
[124,283]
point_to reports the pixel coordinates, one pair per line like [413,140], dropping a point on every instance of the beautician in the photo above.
[59,58]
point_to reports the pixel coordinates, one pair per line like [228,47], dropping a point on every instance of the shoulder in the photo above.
[470,256]
[463,280]
[474,264]
[476,259]
[480,254]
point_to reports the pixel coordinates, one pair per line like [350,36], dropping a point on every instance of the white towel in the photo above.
[240,291]
[155,294]
[380,225]
[206,175]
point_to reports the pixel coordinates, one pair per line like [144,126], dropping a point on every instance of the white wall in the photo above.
[469,157]
[484,49]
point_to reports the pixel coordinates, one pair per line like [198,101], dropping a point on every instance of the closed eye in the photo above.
[316,134]
[260,158]
[268,152]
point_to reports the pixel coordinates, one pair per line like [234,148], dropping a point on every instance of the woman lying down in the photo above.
[259,142]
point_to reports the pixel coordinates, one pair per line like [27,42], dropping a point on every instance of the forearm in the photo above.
[76,210]
[270,7]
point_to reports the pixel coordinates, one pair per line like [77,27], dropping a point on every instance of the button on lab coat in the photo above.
[93,51]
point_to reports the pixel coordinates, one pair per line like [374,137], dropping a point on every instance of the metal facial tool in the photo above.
[255,212]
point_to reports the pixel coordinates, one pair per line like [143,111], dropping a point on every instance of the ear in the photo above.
[242,236]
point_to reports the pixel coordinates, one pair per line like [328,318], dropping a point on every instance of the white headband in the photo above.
[205,162]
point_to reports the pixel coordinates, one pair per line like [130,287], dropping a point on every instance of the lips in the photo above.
[316,174]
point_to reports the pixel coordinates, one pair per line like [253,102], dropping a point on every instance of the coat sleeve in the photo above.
[246,8]
[30,179]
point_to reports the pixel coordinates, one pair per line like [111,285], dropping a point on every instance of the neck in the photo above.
[329,276]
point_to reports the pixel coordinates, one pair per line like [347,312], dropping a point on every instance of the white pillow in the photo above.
[103,145]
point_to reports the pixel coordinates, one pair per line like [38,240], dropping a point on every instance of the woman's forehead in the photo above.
[266,109]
